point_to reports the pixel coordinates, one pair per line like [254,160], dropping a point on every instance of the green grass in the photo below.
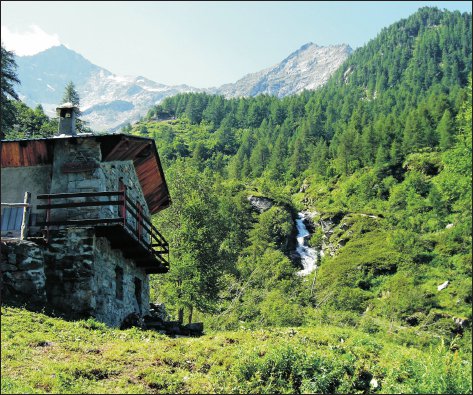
[41,354]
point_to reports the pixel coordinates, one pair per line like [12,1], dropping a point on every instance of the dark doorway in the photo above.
[138,288]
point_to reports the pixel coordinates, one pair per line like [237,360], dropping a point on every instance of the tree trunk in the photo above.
[191,311]
[180,312]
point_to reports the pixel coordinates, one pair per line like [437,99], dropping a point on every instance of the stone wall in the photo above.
[105,177]
[69,268]
[108,307]
[92,180]
[23,276]
[72,276]
[76,151]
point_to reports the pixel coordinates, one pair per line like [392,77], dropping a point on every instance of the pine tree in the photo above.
[320,159]
[71,96]
[144,130]
[8,79]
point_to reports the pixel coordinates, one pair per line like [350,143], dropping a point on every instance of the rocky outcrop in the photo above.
[443,285]
[260,203]
[335,228]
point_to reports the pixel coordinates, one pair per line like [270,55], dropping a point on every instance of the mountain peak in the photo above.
[305,46]
[306,68]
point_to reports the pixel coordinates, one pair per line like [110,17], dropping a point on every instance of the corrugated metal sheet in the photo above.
[142,151]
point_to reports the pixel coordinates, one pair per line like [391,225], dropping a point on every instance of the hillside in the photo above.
[380,153]
[87,357]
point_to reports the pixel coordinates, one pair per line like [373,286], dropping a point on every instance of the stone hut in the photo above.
[77,239]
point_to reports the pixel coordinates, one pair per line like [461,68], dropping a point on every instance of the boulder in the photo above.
[158,311]
[260,203]
[443,286]
[131,320]
[196,328]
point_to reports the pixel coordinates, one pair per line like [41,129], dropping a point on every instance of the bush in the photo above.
[440,372]
[316,239]
[290,370]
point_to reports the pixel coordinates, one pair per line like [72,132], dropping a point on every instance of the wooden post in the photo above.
[26,216]
[139,221]
[191,311]
[48,218]
[180,311]
[124,206]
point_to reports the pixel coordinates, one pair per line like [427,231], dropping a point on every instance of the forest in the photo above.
[382,153]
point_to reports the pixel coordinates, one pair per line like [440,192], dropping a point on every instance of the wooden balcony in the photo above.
[130,231]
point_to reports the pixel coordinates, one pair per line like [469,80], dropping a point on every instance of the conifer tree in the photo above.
[8,79]
[71,96]
[445,130]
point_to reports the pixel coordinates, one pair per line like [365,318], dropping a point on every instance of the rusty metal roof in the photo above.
[115,147]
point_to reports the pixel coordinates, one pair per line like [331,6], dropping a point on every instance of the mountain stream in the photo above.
[309,256]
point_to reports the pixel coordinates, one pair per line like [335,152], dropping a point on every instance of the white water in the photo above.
[308,255]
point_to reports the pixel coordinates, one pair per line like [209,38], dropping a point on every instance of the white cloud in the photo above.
[28,42]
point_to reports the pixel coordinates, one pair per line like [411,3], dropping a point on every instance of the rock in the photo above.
[44,344]
[260,203]
[158,311]
[374,383]
[342,242]
[173,328]
[195,328]
[443,285]
[5,267]
[154,324]
[460,322]
[304,187]
[132,320]
[415,318]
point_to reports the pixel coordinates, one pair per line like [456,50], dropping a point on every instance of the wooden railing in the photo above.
[144,231]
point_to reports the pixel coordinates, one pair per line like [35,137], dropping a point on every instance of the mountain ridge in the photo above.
[310,66]
[109,101]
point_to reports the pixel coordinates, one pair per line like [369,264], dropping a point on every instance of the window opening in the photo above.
[119,282]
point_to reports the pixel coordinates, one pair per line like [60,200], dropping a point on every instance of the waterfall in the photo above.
[308,255]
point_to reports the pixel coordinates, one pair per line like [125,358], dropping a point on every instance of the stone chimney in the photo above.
[67,119]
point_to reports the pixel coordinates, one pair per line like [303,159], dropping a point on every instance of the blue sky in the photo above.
[201,44]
